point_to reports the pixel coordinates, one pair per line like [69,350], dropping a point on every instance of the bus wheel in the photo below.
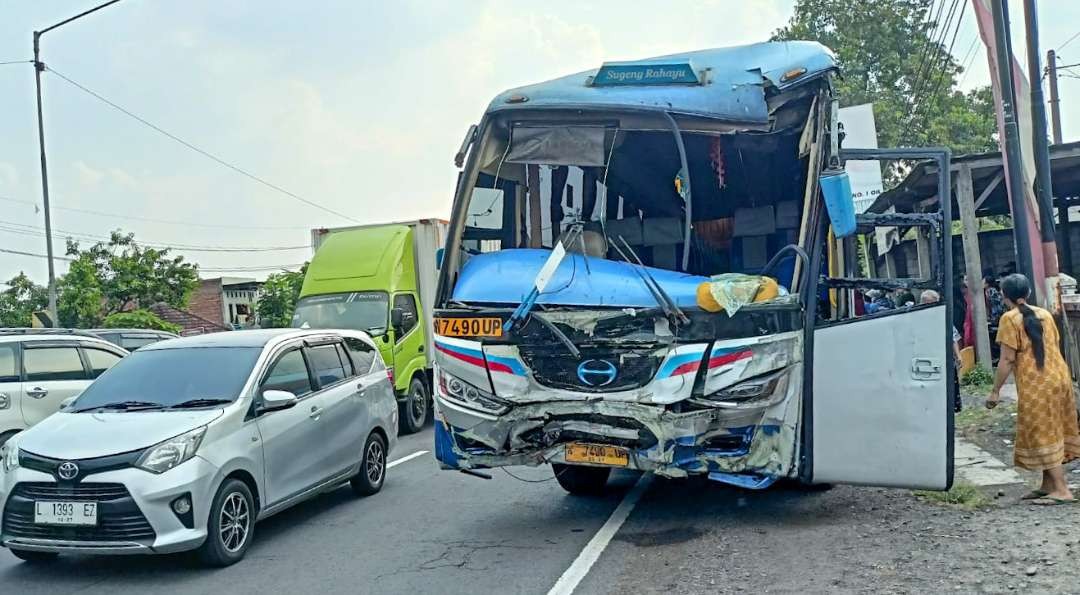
[414,409]
[580,480]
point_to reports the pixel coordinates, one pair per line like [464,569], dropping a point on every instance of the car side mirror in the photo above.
[397,316]
[275,400]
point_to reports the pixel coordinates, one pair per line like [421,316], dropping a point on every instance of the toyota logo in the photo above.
[596,372]
[67,470]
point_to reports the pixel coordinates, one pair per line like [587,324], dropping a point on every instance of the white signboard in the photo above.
[861,133]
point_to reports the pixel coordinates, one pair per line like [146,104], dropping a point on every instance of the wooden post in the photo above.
[969,225]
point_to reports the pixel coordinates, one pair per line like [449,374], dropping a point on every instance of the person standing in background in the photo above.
[932,297]
[1047,435]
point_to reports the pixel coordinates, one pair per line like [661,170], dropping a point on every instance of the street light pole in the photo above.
[39,67]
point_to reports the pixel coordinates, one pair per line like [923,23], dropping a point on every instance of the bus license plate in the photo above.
[596,454]
[65,513]
[469,327]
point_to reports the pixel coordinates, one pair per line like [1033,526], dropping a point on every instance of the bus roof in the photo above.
[721,83]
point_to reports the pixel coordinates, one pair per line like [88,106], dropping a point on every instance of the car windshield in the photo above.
[162,378]
[360,310]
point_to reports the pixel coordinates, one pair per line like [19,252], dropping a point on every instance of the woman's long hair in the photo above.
[1016,287]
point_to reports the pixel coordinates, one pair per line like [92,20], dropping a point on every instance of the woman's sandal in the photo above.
[1054,501]
[1034,495]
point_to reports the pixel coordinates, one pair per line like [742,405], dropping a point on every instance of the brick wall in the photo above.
[206,302]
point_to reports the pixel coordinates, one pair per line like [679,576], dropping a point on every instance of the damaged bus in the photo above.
[655,265]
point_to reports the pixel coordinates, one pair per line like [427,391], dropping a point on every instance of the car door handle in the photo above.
[315,413]
[923,368]
[37,392]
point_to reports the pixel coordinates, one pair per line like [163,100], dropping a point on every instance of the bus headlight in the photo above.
[759,391]
[458,391]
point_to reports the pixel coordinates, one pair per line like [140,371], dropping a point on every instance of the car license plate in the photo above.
[469,327]
[596,454]
[65,513]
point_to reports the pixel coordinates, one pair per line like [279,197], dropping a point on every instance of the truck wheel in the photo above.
[414,409]
[581,481]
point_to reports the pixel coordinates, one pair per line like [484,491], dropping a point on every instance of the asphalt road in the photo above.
[432,531]
[427,531]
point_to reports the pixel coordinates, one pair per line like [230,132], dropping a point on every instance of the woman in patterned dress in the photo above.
[1046,424]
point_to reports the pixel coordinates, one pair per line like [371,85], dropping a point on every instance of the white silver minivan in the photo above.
[186,443]
[40,369]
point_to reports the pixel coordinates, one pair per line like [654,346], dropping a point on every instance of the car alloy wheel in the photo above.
[375,462]
[234,522]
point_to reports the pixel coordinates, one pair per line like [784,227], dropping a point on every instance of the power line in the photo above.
[969,57]
[10,62]
[930,25]
[1068,41]
[12,227]
[152,220]
[34,254]
[202,152]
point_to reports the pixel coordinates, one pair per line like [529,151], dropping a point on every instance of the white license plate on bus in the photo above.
[65,513]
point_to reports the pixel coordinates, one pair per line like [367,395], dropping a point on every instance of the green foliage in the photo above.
[140,319]
[278,298]
[125,275]
[977,376]
[20,300]
[79,304]
[888,58]
[963,495]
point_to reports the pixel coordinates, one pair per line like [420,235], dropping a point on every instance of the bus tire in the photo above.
[579,480]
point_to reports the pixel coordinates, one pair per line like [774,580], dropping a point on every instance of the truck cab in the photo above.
[375,279]
[655,265]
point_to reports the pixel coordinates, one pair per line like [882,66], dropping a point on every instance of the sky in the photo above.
[358,106]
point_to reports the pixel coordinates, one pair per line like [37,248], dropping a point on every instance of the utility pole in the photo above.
[39,67]
[1055,100]
[1003,52]
[1041,146]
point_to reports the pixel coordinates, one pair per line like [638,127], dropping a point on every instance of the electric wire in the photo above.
[153,220]
[198,150]
[34,230]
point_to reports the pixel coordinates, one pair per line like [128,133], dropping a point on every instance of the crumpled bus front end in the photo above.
[726,408]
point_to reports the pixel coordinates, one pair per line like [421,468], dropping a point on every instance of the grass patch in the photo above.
[976,418]
[962,495]
[978,381]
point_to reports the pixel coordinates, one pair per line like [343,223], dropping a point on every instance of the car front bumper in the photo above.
[135,513]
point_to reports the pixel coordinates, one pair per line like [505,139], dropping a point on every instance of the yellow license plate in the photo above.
[595,454]
[469,327]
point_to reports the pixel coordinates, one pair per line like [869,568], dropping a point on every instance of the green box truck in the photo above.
[380,279]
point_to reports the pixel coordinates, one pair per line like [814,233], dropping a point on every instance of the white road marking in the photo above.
[588,556]
[406,458]
[981,468]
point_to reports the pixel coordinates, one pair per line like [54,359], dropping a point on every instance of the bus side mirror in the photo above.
[439,258]
[839,202]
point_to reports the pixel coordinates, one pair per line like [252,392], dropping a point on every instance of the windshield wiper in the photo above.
[124,406]
[673,312]
[192,403]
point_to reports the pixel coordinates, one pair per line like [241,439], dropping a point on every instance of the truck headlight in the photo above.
[168,454]
[759,388]
[458,391]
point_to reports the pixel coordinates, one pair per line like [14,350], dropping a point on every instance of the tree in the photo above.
[140,319]
[895,54]
[121,275]
[278,298]
[20,300]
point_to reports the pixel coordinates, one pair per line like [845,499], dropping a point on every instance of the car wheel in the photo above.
[372,467]
[230,526]
[414,410]
[5,436]
[580,480]
[35,557]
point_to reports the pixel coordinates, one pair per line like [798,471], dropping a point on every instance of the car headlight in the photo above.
[172,452]
[458,391]
[9,456]
[754,390]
